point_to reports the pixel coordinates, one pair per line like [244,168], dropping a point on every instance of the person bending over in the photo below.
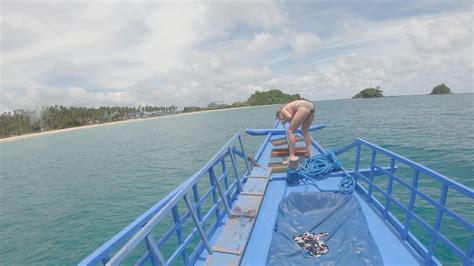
[297,113]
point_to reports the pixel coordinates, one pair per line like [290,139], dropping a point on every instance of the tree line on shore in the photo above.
[21,122]
[258,98]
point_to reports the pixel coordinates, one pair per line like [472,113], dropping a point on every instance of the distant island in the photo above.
[369,93]
[258,98]
[440,89]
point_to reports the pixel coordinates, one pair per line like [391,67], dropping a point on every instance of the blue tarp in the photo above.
[349,240]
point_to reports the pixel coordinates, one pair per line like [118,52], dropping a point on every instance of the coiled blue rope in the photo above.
[312,169]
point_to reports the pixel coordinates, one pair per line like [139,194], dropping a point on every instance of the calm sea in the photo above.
[63,195]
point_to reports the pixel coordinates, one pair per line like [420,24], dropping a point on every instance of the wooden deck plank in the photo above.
[263,172]
[282,141]
[247,205]
[234,236]
[255,186]
[299,151]
[232,240]
[219,258]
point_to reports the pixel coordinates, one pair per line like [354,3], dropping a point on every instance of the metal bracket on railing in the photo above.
[253,162]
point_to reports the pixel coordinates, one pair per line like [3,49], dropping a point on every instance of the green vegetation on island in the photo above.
[440,89]
[258,98]
[369,93]
[271,97]
[21,122]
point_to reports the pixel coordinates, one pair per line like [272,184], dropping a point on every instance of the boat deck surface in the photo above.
[392,249]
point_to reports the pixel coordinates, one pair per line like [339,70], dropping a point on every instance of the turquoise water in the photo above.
[64,195]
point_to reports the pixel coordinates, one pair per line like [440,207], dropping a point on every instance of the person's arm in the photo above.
[286,114]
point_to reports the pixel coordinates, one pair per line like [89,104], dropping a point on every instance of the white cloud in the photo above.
[194,53]
[265,42]
[441,34]
[304,43]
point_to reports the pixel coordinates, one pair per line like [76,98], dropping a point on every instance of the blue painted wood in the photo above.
[261,172]
[140,229]
[233,237]
[255,186]
[247,205]
[220,259]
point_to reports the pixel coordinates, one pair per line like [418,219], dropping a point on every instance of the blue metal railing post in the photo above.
[196,200]
[425,252]
[439,217]
[179,231]
[245,155]
[470,253]
[389,188]
[357,161]
[221,193]
[372,168]
[411,204]
[226,175]
[236,172]
[157,257]
[198,224]
[214,194]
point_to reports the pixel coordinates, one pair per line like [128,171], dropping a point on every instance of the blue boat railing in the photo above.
[141,232]
[414,192]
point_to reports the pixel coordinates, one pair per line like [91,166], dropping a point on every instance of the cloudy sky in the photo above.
[193,53]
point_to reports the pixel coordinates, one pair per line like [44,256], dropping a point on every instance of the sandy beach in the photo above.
[31,135]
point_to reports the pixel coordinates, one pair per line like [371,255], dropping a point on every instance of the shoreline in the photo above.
[57,131]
